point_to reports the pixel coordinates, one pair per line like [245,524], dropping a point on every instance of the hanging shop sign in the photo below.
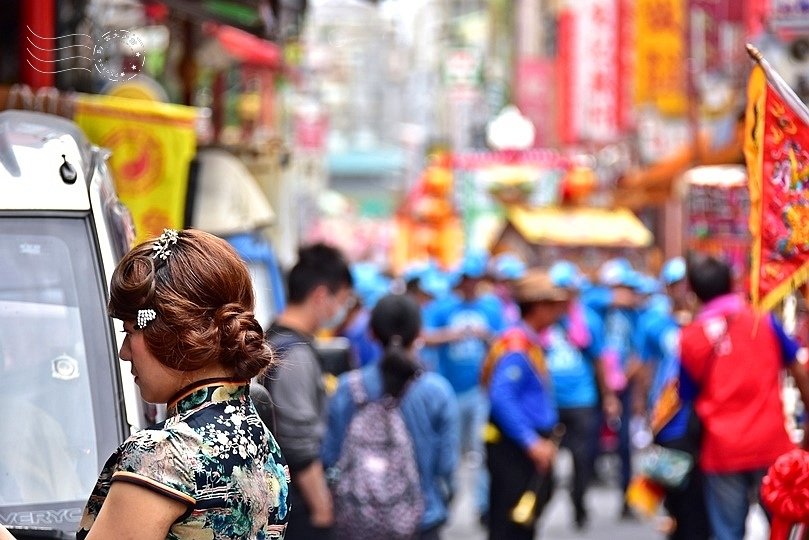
[589,71]
[660,52]
[152,146]
[462,73]
[595,75]
[534,96]
[789,14]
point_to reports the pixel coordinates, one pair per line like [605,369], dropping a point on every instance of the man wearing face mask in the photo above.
[318,288]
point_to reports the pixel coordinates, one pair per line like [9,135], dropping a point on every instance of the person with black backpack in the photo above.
[393,437]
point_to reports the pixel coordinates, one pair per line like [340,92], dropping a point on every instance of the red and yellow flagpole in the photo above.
[754,157]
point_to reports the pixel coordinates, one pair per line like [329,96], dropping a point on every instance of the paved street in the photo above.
[557,522]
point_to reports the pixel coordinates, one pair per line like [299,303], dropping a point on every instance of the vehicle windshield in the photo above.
[57,397]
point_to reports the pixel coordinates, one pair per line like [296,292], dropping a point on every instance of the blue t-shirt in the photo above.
[460,361]
[571,367]
[429,354]
[659,345]
[364,347]
[597,297]
[619,333]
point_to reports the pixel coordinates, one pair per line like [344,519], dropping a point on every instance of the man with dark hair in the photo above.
[708,277]
[732,359]
[319,289]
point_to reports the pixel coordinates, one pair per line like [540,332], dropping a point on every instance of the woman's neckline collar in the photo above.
[200,384]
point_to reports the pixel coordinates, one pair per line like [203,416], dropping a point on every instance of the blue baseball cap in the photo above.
[646,284]
[437,283]
[507,266]
[369,283]
[617,273]
[566,274]
[673,271]
[473,265]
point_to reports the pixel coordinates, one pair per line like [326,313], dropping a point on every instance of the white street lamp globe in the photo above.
[510,130]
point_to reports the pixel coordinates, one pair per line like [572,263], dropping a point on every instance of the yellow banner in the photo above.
[660,62]
[152,145]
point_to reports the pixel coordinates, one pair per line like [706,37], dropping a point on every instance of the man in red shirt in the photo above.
[732,362]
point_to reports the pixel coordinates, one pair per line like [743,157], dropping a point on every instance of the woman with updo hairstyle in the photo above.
[425,400]
[212,469]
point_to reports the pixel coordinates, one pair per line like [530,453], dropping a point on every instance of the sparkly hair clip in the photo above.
[161,246]
[145,316]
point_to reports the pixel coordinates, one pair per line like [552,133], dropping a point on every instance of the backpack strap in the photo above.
[357,389]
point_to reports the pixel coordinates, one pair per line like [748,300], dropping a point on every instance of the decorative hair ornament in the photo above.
[161,246]
[145,316]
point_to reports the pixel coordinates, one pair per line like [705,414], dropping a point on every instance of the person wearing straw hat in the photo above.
[523,415]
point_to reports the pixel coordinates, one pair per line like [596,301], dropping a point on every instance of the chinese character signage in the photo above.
[660,70]
[595,73]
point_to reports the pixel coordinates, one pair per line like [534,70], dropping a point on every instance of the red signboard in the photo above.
[534,96]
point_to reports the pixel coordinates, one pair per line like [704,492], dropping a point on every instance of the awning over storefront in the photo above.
[253,16]
[246,47]
[580,226]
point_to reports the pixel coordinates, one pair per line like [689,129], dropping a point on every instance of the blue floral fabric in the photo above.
[212,453]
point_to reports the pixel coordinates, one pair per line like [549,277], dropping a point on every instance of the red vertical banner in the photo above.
[625,63]
[589,52]
[755,13]
[534,97]
[564,70]
[717,35]
[37,57]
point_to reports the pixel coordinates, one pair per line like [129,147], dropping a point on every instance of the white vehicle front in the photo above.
[66,402]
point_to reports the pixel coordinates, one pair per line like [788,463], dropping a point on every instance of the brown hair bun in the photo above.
[203,297]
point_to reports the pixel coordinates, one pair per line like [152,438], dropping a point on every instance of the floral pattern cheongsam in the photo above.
[212,453]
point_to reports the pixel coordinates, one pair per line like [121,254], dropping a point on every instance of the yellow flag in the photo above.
[152,145]
[777,153]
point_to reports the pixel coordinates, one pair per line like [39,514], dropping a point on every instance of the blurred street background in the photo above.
[557,521]
[424,139]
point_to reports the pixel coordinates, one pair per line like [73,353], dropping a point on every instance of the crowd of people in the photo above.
[495,364]
[539,359]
